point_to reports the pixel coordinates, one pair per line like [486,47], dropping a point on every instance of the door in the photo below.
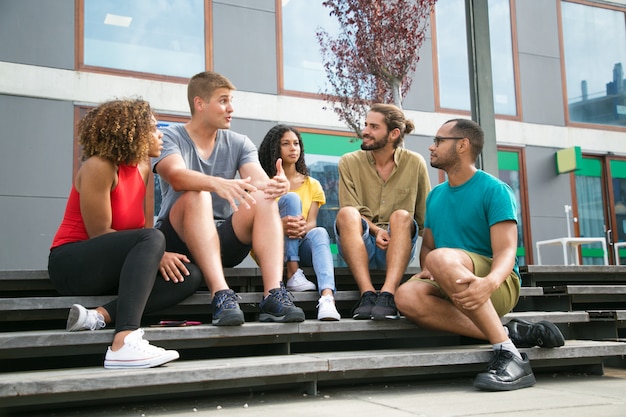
[600,209]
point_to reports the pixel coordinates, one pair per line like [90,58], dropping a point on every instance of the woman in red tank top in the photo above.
[102,247]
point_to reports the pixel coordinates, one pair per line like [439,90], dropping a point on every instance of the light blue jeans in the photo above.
[313,249]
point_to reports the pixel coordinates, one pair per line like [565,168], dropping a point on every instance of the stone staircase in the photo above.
[42,365]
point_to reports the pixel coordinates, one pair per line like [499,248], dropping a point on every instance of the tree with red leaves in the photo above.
[374,55]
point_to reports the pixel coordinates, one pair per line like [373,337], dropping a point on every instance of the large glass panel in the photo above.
[594,44]
[158,37]
[322,153]
[303,69]
[618,178]
[509,172]
[452,56]
[591,220]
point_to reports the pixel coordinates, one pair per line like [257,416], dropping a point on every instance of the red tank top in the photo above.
[126,206]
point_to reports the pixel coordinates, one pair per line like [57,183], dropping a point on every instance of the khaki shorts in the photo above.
[504,298]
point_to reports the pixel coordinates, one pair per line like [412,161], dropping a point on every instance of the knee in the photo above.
[401,218]
[348,217]
[409,301]
[155,237]
[290,205]
[319,235]
[195,199]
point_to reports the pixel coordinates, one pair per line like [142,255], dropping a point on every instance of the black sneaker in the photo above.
[363,309]
[278,307]
[506,372]
[226,311]
[526,334]
[385,307]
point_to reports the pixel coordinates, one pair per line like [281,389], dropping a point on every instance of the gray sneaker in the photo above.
[278,307]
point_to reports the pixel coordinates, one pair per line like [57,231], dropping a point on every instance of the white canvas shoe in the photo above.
[80,318]
[326,309]
[298,282]
[138,353]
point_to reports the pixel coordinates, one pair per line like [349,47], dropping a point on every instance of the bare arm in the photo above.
[272,187]
[94,182]
[173,170]
[428,244]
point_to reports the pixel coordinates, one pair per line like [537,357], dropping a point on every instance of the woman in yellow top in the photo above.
[306,244]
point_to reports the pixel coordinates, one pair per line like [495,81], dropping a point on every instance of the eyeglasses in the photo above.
[438,139]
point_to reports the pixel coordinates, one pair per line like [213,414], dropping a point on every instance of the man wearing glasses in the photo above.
[382,195]
[469,274]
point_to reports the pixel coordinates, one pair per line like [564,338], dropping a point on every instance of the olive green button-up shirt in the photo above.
[361,187]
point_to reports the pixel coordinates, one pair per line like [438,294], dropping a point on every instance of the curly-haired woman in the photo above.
[102,247]
[306,244]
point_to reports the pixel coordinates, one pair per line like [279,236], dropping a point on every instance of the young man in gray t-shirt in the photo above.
[213,218]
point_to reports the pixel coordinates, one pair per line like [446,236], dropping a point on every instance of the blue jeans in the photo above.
[313,249]
[377,257]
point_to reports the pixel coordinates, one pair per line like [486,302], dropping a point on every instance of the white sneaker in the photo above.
[82,319]
[137,353]
[298,282]
[326,309]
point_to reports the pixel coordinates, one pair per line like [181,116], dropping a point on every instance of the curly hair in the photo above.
[117,130]
[269,150]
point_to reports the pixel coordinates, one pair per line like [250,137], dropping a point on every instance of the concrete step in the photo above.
[97,383]
[46,343]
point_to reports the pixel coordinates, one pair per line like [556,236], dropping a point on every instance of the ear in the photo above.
[198,102]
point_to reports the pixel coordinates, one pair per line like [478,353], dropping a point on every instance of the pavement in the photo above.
[555,394]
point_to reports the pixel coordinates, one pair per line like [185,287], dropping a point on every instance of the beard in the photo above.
[376,144]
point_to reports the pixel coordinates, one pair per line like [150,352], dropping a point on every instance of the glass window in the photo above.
[157,37]
[594,47]
[452,62]
[303,69]
[322,153]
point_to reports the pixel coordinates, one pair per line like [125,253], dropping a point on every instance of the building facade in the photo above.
[558,80]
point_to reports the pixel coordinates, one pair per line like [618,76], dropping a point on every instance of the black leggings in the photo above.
[125,263]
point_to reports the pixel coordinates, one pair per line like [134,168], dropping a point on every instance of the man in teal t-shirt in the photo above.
[469,276]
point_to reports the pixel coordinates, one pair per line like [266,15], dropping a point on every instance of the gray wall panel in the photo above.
[37,32]
[539,62]
[537,27]
[541,90]
[244,46]
[37,147]
[421,97]
[28,225]
[548,193]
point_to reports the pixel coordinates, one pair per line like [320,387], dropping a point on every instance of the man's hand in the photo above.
[279,184]
[172,267]
[294,226]
[382,238]
[476,293]
[235,189]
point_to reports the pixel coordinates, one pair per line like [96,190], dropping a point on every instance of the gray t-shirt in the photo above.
[232,150]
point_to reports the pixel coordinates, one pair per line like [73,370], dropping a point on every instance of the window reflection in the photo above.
[303,69]
[158,37]
[452,56]
[594,44]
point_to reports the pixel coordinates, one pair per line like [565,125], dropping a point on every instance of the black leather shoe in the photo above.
[526,334]
[506,372]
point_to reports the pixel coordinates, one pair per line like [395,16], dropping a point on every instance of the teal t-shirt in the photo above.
[461,217]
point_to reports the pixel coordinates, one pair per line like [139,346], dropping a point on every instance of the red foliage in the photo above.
[374,55]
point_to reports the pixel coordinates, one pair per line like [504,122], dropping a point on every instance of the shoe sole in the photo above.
[294,317]
[75,316]
[381,318]
[302,289]
[142,363]
[232,319]
[490,385]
